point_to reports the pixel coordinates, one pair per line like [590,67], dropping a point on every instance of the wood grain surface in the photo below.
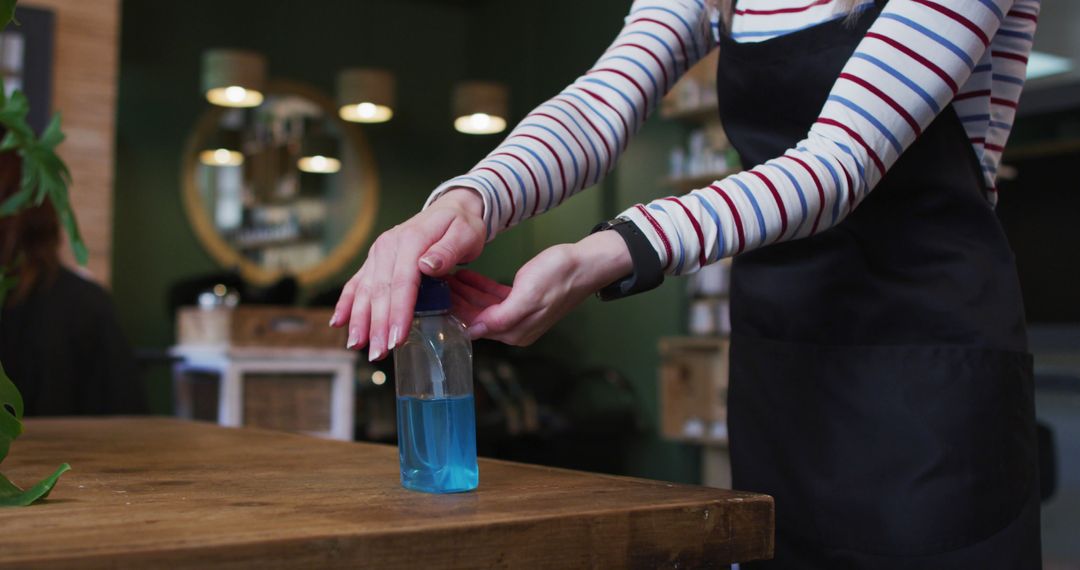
[149,493]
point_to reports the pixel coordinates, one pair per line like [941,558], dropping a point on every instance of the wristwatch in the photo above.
[647,273]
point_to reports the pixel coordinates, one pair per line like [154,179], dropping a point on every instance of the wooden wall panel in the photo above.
[85,67]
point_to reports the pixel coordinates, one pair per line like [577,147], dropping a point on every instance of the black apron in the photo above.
[880,386]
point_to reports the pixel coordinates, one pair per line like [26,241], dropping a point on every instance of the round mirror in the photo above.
[285,188]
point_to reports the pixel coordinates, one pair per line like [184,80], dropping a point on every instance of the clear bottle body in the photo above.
[435,412]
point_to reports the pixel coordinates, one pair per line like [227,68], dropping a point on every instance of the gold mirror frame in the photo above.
[229,257]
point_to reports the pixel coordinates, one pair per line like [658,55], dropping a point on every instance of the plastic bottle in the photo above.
[436,416]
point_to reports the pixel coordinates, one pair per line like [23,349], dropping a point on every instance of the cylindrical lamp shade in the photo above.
[233,78]
[223,148]
[319,154]
[221,157]
[480,107]
[365,95]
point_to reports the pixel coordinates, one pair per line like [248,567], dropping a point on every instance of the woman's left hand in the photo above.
[545,289]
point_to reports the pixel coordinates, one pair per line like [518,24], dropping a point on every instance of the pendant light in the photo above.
[480,107]
[233,78]
[365,95]
[223,149]
[319,164]
[318,153]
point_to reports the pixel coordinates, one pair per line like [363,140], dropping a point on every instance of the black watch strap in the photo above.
[647,273]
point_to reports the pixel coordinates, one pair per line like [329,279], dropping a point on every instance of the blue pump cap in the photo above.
[434,295]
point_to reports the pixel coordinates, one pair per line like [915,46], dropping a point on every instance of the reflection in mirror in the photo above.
[282,185]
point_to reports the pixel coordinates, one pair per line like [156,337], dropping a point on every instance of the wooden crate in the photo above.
[195,326]
[693,388]
[258,326]
[288,402]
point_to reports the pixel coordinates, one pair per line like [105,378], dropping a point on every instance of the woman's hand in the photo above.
[377,303]
[545,289]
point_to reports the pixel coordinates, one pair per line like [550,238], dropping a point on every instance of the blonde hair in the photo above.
[727,8]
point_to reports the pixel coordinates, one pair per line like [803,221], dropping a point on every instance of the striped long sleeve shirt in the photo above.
[917,57]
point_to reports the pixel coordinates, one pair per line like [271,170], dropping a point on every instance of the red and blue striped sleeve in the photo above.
[912,63]
[917,58]
[572,140]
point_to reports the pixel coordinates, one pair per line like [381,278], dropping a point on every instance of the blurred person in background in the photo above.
[60,341]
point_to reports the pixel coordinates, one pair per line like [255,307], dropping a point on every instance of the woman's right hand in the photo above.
[377,302]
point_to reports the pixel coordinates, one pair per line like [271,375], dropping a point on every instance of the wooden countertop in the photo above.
[161,492]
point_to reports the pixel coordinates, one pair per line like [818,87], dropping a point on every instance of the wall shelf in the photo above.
[256,244]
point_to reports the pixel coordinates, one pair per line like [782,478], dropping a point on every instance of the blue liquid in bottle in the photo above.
[437,444]
[435,414]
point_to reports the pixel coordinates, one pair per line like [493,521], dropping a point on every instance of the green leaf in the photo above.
[11,140]
[18,130]
[10,429]
[7,13]
[9,394]
[52,135]
[17,125]
[50,184]
[16,201]
[11,411]
[65,174]
[12,496]
[30,176]
[13,116]
[16,106]
[78,246]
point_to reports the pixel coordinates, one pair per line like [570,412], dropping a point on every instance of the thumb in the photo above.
[500,318]
[460,243]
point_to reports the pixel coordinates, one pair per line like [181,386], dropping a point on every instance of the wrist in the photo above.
[601,259]
[465,199]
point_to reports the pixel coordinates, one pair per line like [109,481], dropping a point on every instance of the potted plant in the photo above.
[44,177]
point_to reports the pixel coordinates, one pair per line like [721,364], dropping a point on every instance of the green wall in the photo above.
[535,47]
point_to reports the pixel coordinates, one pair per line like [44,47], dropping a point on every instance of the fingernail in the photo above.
[394,333]
[374,354]
[333,319]
[478,330]
[433,263]
[354,337]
